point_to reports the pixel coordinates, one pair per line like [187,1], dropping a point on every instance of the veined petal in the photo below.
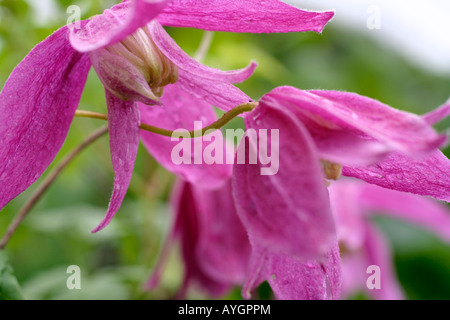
[362,116]
[419,210]
[284,207]
[115,24]
[256,16]
[193,162]
[37,105]
[294,279]
[222,95]
[184,62]
[123,126]
[427,177]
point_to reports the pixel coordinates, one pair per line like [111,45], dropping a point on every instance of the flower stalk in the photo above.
[227,117]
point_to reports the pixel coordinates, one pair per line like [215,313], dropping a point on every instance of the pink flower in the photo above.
[319,132]
[135,59]
[218,255]
[354,203]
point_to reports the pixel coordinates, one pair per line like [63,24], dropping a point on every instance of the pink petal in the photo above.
[180,110]
[438,114]
[222,95]
[254,16]
[427,177]
[115,24]
[361,116]
[378,253]
[293,279]
[222,237]
[424,212]
[37,105]
[123,125]
[211,85]
[175,54]
[288,211]
[189,228]
[344,199]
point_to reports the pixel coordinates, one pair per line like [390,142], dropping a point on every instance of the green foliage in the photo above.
[9,287]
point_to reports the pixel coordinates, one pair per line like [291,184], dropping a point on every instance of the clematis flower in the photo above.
[354,203]
[134,59]
[319,132]
[214,244]
[218,255]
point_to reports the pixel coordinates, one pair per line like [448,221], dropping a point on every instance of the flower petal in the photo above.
[180,110]
[222,237]
[378,253]
[123,126]
[211,85]
[293,279]
[427,177]
[438,114]
[254,16]
[174,53]
[189,228]
[115,24]
[222,95]
[422,211]
[344,199]
[284,208]
[37,105]
[361,116]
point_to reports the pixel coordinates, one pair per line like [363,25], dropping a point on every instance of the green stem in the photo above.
[227,117]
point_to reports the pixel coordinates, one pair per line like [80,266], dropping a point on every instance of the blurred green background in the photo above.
[116,262]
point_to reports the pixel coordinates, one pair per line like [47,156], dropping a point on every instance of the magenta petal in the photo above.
[361,116]
[438,114]
[346,207]
[378,253]
[427,177]
[189,227]
[424,212]
[288,211]
[223,237]
[115,24]
[174,53]
[180,110]
[293,279]
[211,85]
[254,16]
[37,105]
[123,126]
[222,95]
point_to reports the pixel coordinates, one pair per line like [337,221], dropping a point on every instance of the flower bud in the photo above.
[134,68]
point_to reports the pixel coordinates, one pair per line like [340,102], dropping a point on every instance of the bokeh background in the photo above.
[116,262]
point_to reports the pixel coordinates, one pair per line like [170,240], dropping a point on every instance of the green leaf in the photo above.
[9,287]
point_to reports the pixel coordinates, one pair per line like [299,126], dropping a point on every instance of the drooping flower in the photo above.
[289,212]
[135,59]
[218,255]
[214,244]
[354,203]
